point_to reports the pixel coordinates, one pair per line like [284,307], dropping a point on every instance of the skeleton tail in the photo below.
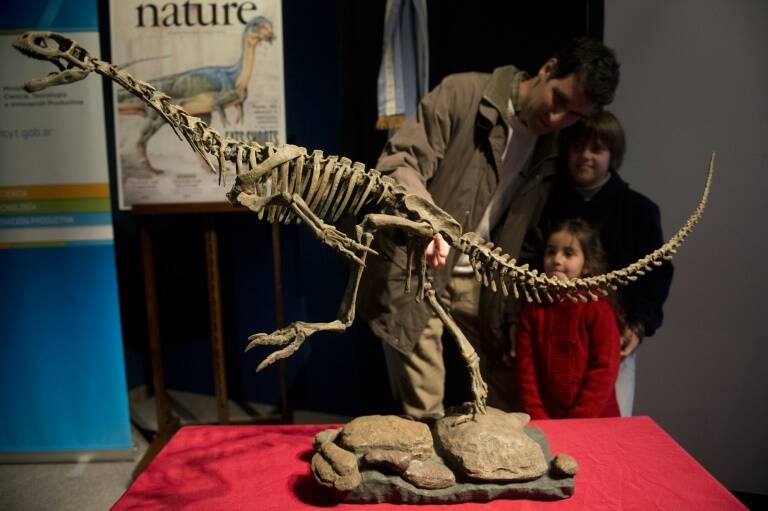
[498,270]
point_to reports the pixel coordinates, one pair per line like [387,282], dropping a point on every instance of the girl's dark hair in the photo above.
[602,126]
[589,239]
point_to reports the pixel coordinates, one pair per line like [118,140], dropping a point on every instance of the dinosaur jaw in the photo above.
[73,63]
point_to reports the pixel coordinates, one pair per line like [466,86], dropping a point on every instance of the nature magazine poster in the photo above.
[221,61]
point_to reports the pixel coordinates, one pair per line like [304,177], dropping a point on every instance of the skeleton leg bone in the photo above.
[326,233]
[295,334]
[479,388]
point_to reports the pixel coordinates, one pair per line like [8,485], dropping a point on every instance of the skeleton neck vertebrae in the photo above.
[285,183]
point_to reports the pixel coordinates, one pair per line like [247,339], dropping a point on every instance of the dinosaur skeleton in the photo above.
[285,183]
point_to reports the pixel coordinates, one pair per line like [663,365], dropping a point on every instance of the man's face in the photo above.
[549,104]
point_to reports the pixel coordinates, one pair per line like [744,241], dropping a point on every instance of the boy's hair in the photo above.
[589,239]
[595,64]
[602,126]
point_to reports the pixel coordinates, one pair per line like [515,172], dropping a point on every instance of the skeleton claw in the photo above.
[293,336]
[261,340]
[283,353]
[470,411]
[278,337]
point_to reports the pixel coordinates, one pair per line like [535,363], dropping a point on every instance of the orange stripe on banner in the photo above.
[76,191]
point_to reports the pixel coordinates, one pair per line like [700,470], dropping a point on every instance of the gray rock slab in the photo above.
[379,487]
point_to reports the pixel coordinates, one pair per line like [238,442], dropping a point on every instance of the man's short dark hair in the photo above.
[596,65]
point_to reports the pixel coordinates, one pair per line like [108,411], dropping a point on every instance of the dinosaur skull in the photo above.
[69,58]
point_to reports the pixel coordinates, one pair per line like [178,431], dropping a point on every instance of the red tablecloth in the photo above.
[628,463]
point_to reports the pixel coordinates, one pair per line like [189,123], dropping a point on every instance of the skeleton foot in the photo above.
[479,391]
[293,335]
[462,414]
[479,388]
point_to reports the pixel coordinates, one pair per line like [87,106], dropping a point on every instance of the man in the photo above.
[482,147]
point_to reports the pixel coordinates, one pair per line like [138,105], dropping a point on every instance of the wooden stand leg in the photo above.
[166,423]
[217,331]
[280,319]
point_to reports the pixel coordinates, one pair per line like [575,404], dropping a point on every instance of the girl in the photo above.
[568,352]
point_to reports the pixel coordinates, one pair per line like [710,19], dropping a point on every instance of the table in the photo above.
[626,463]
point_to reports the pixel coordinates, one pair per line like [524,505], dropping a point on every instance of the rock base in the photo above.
[456,458]
[377,486]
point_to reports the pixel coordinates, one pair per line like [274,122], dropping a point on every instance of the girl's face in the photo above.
[588,162]
[563,257]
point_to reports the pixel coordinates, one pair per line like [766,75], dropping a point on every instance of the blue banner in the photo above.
[62,373]
[53,15]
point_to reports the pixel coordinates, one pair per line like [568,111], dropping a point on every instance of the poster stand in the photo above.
[167,423]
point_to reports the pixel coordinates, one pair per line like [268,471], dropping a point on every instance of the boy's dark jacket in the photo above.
[630,228]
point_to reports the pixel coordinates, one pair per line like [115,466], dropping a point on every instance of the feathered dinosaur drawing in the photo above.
[201,91]
[285,183]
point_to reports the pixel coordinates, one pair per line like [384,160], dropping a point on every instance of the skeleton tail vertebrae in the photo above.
[271,177]
[498,270]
